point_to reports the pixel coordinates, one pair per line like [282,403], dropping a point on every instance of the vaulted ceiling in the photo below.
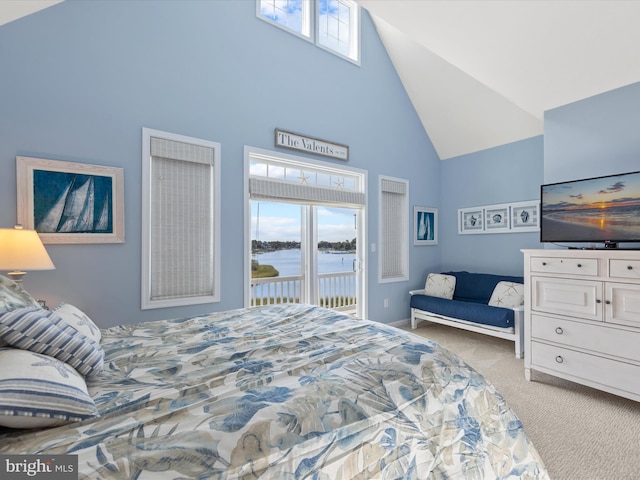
[481,73]
[11,10]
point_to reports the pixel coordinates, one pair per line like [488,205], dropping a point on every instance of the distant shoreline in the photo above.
[323,250]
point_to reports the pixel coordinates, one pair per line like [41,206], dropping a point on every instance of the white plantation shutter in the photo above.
[394,227]
[181,227]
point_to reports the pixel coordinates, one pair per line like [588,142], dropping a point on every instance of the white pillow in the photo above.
[39,391]
[507,295]
[440,285]
[79,320]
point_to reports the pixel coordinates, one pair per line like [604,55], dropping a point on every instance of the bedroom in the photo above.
[81,93]
[84,79]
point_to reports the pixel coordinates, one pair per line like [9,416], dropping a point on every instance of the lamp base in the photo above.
[17,275]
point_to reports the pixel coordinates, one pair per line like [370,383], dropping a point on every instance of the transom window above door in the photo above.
[289,171]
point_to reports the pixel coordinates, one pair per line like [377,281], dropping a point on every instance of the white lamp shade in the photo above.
[22,249]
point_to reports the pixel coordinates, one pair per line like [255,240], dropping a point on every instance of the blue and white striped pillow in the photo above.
[41,331]
[38,391]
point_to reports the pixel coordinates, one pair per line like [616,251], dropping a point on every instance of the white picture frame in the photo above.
[90,199]
[425,226]
[525,216]
[496,218]
[514,217]
[471,220]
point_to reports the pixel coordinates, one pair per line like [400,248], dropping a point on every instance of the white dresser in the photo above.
[582,317]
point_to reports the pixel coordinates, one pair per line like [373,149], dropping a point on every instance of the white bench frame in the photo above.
[515,333]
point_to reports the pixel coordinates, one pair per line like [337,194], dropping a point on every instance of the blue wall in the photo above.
[593,137]
[509,173]
[81,79]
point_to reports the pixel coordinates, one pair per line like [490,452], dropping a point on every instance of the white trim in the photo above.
[146,302]
[361,232]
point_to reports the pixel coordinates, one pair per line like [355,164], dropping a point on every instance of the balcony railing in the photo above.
[335,290]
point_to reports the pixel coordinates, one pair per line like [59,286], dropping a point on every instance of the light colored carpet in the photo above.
[581,433]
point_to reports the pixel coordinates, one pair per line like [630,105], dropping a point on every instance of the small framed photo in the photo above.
[496,218]
[471,220]
[68,202]
[525,216]
[425,226]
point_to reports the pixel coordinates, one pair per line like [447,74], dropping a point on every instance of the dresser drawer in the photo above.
[624,268]
[562,296]
[586,368]
[572,266]
[596,337]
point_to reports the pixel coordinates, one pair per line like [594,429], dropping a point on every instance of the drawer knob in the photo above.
[544,263]
[629,267]
[608,302]
[559,359]
[559,330]
[598,300]
[579,265]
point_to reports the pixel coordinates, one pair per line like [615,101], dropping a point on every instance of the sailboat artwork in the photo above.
[425,233]
[424,229]
[72,203]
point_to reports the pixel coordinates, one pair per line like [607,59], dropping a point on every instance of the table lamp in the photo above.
[22,250]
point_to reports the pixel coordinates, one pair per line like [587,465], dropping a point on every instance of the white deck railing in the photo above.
[335,290]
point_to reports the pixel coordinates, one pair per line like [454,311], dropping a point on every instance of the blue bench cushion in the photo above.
[478,287]
[470,311]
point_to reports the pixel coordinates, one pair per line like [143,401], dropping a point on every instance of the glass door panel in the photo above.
[336,258]
[277,263]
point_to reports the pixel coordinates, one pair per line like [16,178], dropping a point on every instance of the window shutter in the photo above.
[393,230]
[182,224]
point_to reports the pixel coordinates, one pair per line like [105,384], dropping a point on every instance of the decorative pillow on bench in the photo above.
[507,295]
[440,285]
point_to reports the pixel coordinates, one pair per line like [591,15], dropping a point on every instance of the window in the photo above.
[394,228]
[336,23]
[292,15]
[337,27]
[319,189]
[180,220]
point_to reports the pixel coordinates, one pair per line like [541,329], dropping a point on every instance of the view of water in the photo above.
[288,262]
[623,217]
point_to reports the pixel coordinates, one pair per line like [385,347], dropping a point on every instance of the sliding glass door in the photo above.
[305,254]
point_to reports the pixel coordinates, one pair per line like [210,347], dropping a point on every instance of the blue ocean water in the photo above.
[289,262]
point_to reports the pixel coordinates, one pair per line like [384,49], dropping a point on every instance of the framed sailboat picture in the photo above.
[425,226]
[67,202]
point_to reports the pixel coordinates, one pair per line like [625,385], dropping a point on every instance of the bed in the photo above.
[283,391]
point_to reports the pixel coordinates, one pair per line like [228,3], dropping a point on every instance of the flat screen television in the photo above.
[601,210]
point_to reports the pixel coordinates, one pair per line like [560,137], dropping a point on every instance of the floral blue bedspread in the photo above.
[287,392]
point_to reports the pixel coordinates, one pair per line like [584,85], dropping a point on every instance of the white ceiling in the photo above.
[11,10]
[481,73]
